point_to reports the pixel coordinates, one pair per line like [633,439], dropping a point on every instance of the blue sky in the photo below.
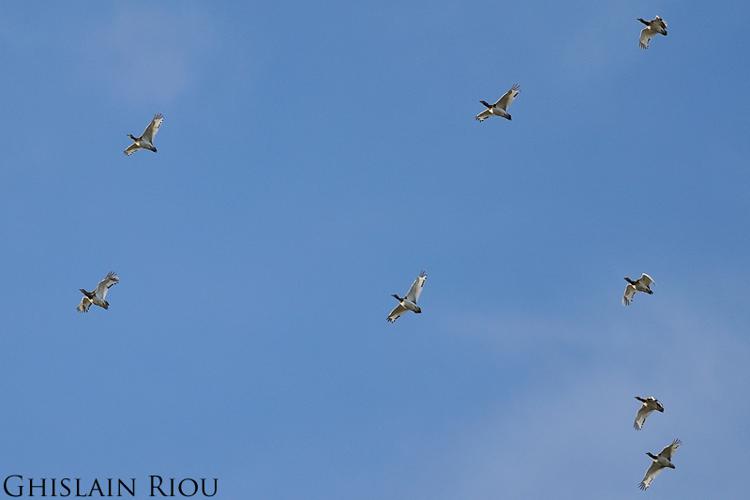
[315,157]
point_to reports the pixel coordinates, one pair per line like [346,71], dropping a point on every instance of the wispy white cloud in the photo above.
[570,433]
[152,57]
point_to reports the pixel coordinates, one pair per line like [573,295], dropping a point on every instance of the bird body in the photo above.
[500,108]
[409,302]
[98,297]
[655,26]
[650,404]
[146,140]
[659,462]
[642,284]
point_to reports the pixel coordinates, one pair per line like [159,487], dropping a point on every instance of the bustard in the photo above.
[650,404]
[99,296]
[500,108]
[409,303]
[660,462]
[654,27]
[642,284]
[146,140]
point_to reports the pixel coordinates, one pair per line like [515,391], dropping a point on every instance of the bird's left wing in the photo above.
[669,450]
[640,417]
[506,100]
[84,305]
[651,473]
[627,297]
[416,288]
[646,35]
[483,115]
[131,149]
[104,285]
[153,127]
[396,313]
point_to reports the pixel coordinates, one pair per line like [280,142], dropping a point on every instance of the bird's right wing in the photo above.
[627,297]
[646,35]
[153,128]
[506,100]
[416,288]
[646,280]
[483,115]
[396,313]
[131,149]
[640,417]
[651,473]
[104,285]
[668,451]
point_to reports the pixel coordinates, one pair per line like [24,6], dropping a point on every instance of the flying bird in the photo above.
[642,284]
[146,140]
[500,108]
[650,404]
[660,462]
[409,303]
[654,27]
[99,296]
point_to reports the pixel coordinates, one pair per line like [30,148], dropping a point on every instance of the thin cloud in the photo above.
[150,58]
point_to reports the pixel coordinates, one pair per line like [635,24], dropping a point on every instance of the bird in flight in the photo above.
[650,404]
[654,27]
[500,108]
[642,284]
[99,296]
[409,303]
[146,140]
[659,462]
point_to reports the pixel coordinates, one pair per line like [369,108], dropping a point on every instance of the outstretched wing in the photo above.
[668,451]
[84,305]
[651,473]
[627,297]
[646,35]
[640,417]
[416,288]
[396,313]
[662,24]
[506,100]
[483,115]
[131,149]
[645,280]
[104,285]
[153,128]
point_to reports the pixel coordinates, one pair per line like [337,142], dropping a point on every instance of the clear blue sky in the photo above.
[313,158]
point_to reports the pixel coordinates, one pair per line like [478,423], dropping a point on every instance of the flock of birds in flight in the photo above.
[649,404]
